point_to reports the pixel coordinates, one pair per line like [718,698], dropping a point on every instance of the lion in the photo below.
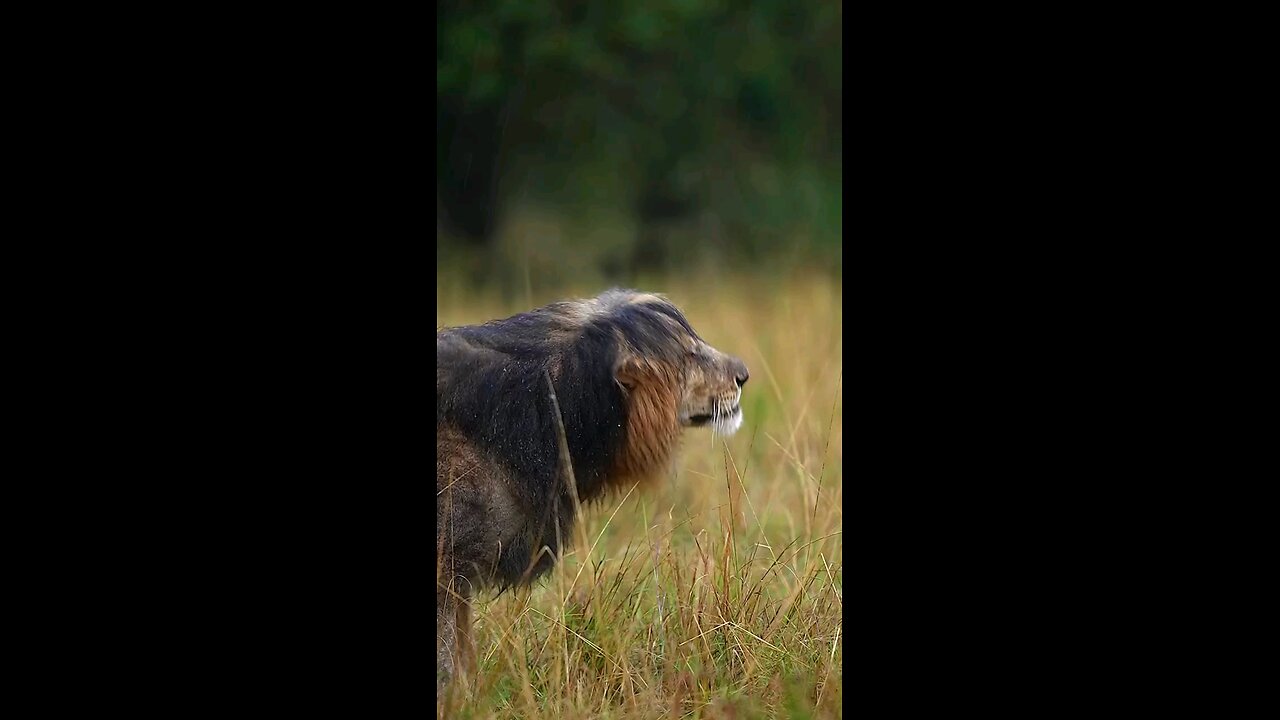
[627,373]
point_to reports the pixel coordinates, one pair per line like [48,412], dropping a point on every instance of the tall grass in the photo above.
[715,592]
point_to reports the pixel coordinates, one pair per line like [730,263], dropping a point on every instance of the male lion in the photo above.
[628,374]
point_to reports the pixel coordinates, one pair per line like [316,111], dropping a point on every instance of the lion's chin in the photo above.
[727,424]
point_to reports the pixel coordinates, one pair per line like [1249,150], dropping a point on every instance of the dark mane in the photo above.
[491,387]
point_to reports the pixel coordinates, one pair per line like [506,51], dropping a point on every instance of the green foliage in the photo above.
[676,113]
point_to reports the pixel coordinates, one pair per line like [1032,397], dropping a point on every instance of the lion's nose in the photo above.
[740,372]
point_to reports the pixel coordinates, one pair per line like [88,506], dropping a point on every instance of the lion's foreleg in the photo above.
[455,651]
[466,650]
[446,636]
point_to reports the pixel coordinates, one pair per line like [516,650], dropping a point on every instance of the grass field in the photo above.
[714,593]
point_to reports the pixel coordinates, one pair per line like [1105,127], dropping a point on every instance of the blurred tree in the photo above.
[669,109]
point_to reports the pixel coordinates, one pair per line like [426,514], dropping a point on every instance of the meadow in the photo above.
[715,592]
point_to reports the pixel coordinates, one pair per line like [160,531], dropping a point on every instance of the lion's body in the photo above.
[622,373]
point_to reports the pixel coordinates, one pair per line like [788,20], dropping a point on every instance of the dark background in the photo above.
[608,140]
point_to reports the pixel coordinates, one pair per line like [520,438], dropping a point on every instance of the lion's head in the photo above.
[660,352]
[670,377]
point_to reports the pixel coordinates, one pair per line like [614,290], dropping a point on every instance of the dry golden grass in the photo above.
[715,593]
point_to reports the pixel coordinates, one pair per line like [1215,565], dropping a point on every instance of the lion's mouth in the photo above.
[707,419]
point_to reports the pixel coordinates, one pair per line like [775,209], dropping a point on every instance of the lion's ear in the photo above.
[628,372]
